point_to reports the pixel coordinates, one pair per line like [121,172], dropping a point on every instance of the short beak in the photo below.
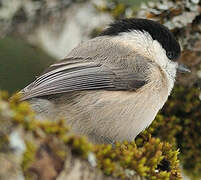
[182,69]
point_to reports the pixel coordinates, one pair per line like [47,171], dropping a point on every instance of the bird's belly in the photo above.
[104,116]
[118,116]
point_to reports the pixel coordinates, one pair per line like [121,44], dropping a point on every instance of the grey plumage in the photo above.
[84,70]
[109,88]
[82,74]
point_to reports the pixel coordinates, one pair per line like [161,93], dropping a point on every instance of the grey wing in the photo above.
[76,75]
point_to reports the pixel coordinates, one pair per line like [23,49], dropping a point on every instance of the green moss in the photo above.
[79,145]
[179,123]
[29,156]
[145,157]
[25,116]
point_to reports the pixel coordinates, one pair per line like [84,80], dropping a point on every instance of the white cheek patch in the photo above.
[171,69]
[160,54]
[168,66]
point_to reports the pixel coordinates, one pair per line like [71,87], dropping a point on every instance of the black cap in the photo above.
[156,30]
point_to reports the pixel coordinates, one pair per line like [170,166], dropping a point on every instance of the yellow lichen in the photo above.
[144,160]
[29,155]
[145,157]
[179,123]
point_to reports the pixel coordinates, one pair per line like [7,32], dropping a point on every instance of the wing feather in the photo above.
[77,75]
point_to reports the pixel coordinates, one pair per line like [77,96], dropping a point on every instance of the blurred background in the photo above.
[36,33]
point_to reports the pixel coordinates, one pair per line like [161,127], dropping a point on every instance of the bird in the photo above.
[111,87]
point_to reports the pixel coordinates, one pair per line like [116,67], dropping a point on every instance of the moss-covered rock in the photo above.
[179,123]
[128,158]
[48,144]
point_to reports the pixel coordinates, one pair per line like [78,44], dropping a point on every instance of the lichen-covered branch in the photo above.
[46,150]
[179,123]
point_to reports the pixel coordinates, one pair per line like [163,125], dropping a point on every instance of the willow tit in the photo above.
[111,87]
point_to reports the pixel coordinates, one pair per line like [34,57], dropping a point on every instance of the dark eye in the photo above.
[170,55]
